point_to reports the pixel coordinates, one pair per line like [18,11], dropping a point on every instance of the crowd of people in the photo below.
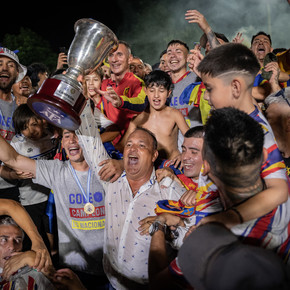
[177,178]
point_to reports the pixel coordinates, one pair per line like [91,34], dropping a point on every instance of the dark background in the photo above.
[149,25]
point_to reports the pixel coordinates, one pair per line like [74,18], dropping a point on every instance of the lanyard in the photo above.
[79,184]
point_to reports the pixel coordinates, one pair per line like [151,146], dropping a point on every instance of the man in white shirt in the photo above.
[128,200]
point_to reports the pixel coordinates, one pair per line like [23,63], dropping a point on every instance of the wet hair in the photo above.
[158,78]
[22,116]
[261,33]
[9,221]
[195,132]
[175,41]
[233,140]
[152,135]
[232,58]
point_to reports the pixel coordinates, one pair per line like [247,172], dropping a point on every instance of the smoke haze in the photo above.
[149,25]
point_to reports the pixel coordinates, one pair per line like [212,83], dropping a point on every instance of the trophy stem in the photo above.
[74,72]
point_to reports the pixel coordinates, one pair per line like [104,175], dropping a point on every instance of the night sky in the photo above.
[148,25]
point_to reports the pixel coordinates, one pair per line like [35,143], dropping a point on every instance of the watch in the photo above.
[157,226]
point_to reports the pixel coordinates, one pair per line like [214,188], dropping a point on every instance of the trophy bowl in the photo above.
[60,99]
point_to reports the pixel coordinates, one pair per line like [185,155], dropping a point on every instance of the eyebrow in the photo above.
[191,148]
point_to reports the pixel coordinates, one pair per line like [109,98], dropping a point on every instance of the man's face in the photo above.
[8,73]
[176,57]
[23,87]
[119,60]
[10,242]
[192,156]
[261,46]
[218,94]
[139,155]
[137,67]
[71,146]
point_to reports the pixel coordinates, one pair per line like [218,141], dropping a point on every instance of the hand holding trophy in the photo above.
[60,100]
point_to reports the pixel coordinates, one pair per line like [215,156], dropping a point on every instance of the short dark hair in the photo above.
[126,44]
[158,78]
[230,57]
[175,41]
[21,117]
[261,33]
[195,132]
[233,140]
[152,135]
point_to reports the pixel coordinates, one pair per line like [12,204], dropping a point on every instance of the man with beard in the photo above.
[11,71]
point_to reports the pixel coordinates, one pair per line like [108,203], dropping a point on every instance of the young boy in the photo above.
[158,117]
[228,73]
[33,140]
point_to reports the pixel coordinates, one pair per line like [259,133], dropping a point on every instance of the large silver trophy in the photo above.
[60,100]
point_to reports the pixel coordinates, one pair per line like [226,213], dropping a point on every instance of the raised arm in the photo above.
[22,218]
[12,159]
[194,16]
[90,140]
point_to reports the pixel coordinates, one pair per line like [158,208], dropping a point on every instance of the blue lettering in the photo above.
[71,199]
[79,198]
[175,101]
[8,121]
[98,196]
[3,121]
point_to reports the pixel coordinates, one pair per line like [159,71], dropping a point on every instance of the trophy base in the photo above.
[59,103]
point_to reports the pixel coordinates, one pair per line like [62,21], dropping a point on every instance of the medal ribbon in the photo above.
[79,184]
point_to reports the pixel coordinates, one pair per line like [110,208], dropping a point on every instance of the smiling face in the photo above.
[119,60]
[139,155]
[261,46]
[10,242]
[157,96]
[8,73]
[176,57]
[192,156]
[23,87]
[33,129]
[70,143]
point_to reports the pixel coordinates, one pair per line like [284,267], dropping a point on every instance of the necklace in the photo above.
[89,207]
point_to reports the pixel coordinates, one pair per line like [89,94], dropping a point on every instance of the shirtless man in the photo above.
[158,117]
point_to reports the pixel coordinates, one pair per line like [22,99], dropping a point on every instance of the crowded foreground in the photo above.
[175,177]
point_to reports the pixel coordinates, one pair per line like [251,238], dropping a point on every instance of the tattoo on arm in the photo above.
[213,41]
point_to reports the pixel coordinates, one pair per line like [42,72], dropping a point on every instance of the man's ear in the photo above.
[236,88]
[130,58]
[206,168]
[155,155]
[265,155]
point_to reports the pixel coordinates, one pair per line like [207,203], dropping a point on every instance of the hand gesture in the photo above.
[111,96]
[194,16]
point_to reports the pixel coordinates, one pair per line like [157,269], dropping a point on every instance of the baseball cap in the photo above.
[213,258]
[21,68]
[203,38]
